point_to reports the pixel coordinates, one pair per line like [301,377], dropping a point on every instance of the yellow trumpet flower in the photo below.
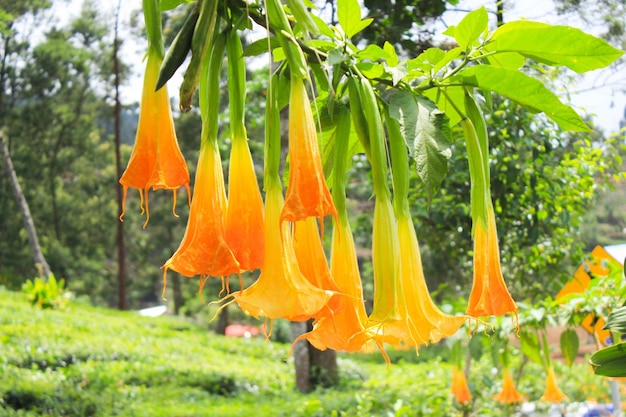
[509,394]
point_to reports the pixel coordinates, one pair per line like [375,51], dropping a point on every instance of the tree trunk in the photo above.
[301,359]
[121,248]
[40,261]
[313,366]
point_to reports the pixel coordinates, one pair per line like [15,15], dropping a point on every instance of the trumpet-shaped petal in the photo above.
[281,290]
[460,389]
[156,160]
[509,394]
[387,322]
[203,250]
[552,393]
[307,193]
[489,295]
[340,326]
[426,321]
[244,216]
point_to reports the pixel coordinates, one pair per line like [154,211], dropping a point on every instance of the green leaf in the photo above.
[471,27]
[390,53]
[610,361]
[569,345]
[372,52]
[526,91]
[323,27]
[426,132]
[170,4]
[449,102]
[530,346]
[260,46]
[555,45]
[349,16]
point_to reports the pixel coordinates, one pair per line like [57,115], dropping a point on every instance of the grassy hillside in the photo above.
[85,361]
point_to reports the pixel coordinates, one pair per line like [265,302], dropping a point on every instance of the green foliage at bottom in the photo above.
[85,361]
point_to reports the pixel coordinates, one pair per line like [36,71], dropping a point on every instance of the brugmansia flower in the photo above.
[340,325]
[203,250]
[460,389]
[387,321]
[244,216]
[426,322]
[489,295]
[552,393]
[156,160]
[307,193]
[281,291]
[509,394]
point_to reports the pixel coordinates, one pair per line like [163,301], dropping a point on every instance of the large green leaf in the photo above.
[530,346]
[471,27]
[569,345]
[349,16]
[525,90]
[555,45]
[610,361]
[426,132]
[448,99]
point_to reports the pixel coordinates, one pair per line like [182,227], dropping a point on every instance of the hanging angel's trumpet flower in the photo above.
[552,393]
[340,325]
[509,394]
[203,250]
[156,161]
[425,321]
[281,290]
[489,295]
[460,389]
[244,217]
[307,193]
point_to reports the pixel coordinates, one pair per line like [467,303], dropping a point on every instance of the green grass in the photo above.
[86,361]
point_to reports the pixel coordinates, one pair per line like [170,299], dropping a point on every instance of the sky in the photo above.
[597,93]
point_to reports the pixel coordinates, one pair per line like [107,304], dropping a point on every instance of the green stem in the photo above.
[209,92]
[236,86]
[340,163]
[152,17]
[399,167]
[271,173]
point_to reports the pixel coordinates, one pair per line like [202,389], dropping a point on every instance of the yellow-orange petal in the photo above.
[203,250]
[509,394]
[553,393]
[156,160]
[490,295]
[460,389]
[281,291]
[425,320]
[307,193]
[340,326]
[244,216]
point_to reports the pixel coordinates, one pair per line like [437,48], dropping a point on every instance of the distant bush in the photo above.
[46,293]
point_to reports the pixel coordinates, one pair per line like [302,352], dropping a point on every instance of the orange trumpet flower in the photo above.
[203,250]
[460,389]
[509,394]
[307,193]
[340,325]
[552,393]
[156,160]
[489,295]
[244,216]
[281,291]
